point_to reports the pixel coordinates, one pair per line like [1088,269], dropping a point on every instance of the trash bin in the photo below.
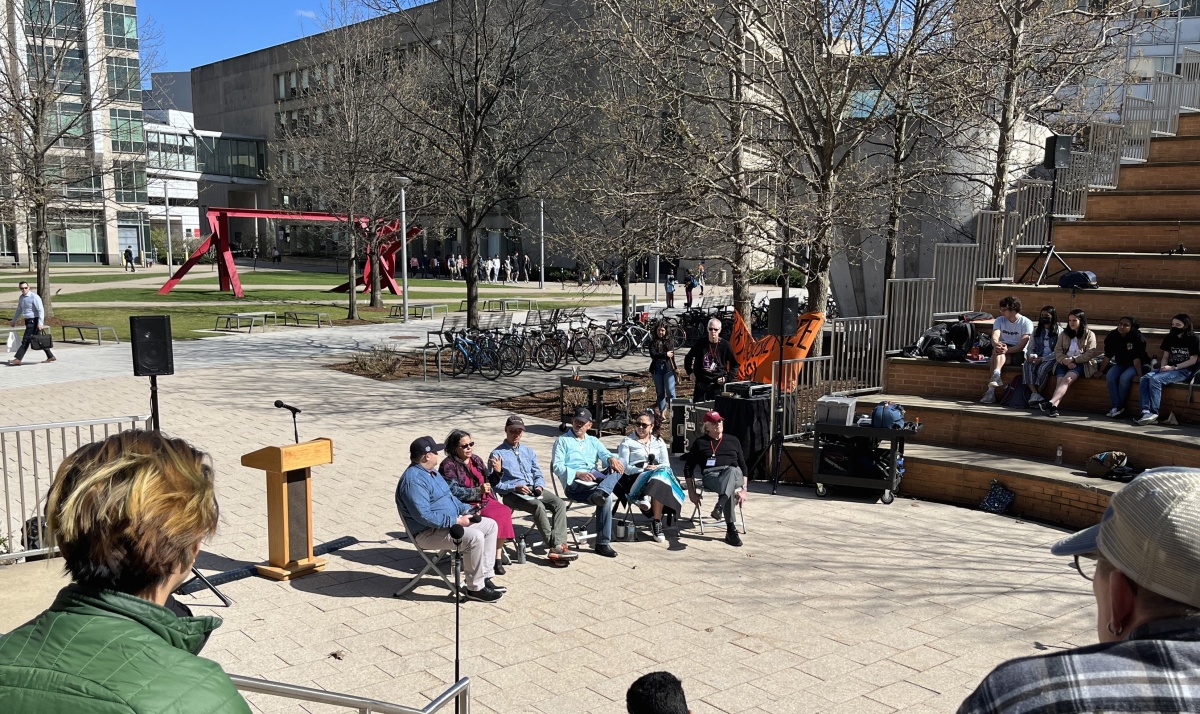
[723,278]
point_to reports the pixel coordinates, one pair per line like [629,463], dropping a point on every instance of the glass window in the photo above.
[127,131]
[69,122]
[61,19]
[124,78]
[280,87]
[62,67]
[130,180]
[120,26]
[79,240]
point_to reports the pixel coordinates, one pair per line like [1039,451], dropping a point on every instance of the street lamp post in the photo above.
[167,206]
[404,181]
[542,243]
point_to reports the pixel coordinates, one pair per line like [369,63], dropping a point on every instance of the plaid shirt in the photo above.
[1156,670]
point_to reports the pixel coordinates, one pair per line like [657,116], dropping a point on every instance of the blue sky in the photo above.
[197,33]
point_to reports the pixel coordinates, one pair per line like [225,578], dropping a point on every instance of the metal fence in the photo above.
[955,267]
[1104,143]
[459,693]
[995,234]
[1166,90]
[1137,115]
[801,383]
[856,346]
[29,456]
[1033,203]
[1070,199]
[908,303]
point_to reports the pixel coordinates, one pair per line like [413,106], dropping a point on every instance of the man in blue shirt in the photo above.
[522,488]
[429,510]
[29,309]
[576,456]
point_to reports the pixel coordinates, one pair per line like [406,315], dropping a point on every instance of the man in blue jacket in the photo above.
[522,487]
[424,500]
[576,456]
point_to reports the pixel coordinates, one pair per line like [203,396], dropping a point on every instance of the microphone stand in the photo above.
[457,563]
[295,428]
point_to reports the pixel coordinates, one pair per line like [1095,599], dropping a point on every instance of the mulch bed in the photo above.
[544,405]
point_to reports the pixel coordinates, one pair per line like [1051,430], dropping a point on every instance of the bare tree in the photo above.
[334,145]
[70,79]
[494,87]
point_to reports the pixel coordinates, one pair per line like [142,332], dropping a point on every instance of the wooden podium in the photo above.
[289,505]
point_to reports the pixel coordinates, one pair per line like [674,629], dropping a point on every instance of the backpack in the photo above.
[1016,394]
[935,335]
[961,334]
[1107,464]
[887,415]
[946,353]
[1078,279]
[972,316]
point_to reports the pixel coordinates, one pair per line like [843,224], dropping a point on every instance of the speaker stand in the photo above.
[154,401]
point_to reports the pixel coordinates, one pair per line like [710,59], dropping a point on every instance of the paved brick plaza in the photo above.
[831,605]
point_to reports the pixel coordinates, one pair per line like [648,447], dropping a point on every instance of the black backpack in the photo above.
[961,334]
[1016,395]
[946,353]
[932,337]
[1079,279]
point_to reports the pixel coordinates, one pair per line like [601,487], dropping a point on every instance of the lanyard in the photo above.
[718,446]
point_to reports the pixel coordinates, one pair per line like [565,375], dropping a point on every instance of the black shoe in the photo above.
[498,568]
[606,551]
[485,595]
[1051,410]
[732,537]
[494,586]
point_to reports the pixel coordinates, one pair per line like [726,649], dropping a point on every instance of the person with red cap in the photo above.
[723,470]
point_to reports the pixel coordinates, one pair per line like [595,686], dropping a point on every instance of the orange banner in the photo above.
[756,357]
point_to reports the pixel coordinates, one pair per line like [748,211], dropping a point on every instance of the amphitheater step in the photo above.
[1175,148]
[1179,205]
[963,381]
[1142,236]
[1153,308]
[1031,435]
[1154,271]
[1189,124]
[1061,495]
[1161,175]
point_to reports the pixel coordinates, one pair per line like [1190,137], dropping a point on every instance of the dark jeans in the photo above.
[706,391]
[599,493]
[31,331]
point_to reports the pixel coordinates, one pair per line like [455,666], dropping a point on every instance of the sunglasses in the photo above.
[468,445]
[644,425]
[714,329]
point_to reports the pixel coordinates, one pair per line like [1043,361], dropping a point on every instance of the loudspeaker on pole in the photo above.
[1058,152]
[153,354]
[783,316]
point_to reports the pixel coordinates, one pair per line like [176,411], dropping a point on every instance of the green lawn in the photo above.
[184,320]
[61,279]
[150,295]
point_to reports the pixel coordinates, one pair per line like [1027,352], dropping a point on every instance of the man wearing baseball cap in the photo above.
[722,465]
[522,488]
[1143,561]
[430,509]
[576,457]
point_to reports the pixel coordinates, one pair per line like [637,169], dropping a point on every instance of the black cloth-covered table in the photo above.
[750,421]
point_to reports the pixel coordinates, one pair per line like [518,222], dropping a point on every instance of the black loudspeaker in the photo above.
[1058,152]
[151,338]
[783,313]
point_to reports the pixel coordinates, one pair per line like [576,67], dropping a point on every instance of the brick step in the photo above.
[1154,271]
[963,381]
[1027,434]
[1160,175]
[1106,305]
[1189,124]
[1142,236]
[1177,205]
[1175,148]
[1062,495]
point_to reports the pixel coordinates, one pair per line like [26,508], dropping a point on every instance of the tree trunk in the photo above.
[41,242]
[626,308]
[376,277]
[352,270]
[472,275]
[1007,123]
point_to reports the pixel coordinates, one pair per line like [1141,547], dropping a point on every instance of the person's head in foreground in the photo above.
[1143,561]
[128,514]
[656,693]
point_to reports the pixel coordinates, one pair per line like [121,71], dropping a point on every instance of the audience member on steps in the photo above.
[1180,350]
[1125,358]
[1010,333]
[1074,354]
[1039,354]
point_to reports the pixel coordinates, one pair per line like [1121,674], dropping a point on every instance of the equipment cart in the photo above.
[852,456]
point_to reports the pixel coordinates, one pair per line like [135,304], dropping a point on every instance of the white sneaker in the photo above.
[996,382]
[1115,412]
[989,397]
[1035,398]
[1147,418]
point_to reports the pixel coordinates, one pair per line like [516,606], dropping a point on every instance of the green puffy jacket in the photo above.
[107,653]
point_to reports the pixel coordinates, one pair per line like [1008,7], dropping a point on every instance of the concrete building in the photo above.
[96,214]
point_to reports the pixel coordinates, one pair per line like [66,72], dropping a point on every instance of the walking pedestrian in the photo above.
[528,269]
[670,290]
[29,309]
[129,266]
[700,276]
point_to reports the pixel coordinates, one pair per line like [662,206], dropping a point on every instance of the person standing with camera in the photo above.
[29,309]
[711,363]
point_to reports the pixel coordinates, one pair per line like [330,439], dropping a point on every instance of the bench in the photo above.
[450,323]
[294,316]
[420,310]
[235,319]
[493,321]
[515,304]
[99,329]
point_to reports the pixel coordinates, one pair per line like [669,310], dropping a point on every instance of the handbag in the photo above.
[998,498]
[42,341]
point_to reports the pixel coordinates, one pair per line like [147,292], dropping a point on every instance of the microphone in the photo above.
[456,533]
[280,405]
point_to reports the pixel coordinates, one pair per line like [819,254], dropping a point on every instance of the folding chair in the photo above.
[698,518]
[577,532]
[430,563]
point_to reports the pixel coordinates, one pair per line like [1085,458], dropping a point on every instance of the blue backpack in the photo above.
[887,415]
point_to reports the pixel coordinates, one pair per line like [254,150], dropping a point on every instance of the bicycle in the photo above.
[466,356]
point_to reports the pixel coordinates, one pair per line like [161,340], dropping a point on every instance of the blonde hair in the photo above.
[127,511]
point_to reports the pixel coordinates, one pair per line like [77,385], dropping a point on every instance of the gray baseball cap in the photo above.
[1151,533]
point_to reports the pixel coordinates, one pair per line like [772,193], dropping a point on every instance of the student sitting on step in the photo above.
[1125,357]
[1074,354]
[1039,354]
[1180,351]
[1010,334]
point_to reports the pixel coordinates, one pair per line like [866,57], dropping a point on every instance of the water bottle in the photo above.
[900,465]
[1058,455]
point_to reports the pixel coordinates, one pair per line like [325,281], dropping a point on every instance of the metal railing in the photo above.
[29,456]
[856,346]
[1033,225]
[459,693]
[1104,143]
[955,268]
[1137,115]
[1165,91]
[908,303]
[801,383]
[995,234]
[1070,201]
